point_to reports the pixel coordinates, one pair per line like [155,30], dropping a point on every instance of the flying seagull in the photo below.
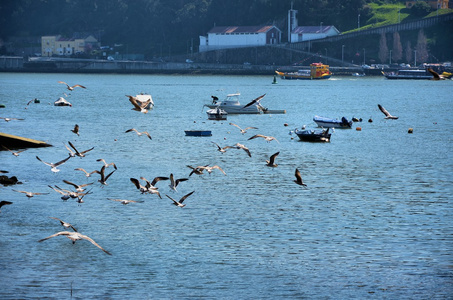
[54,165]
[243,130]
[77,153]
[257,101]
[210,169]
[15,153]
[220,149]
[386,113]
[298,179]
[140,133]
[179,203]
[76,129]
[240,146]
[107,164]
[174,183]
[270,162]
[5,203]
[267,138]
[75,236]
[124,201]
[139,106]
[66,225]
[103,177]
[30,194]
[84,171]
[79,188]
[436,76]
[71,88]
[65,195]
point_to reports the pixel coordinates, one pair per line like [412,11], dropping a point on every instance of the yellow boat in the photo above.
[316,71]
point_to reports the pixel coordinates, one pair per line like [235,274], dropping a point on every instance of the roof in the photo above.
[313,29]
[241,29]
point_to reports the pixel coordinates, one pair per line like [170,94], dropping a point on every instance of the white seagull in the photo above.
[386,113]
[75,236]
[243,131]
[54,165]
[174,183]
[66,225]
[71,88]
[139,133]
[179,203]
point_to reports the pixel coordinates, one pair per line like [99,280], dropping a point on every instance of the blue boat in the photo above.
[332,123]
[198,132]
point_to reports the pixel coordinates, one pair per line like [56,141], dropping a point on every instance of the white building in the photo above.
[307,33]
[224,37]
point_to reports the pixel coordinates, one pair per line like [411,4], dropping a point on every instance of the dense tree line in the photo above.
[162,27]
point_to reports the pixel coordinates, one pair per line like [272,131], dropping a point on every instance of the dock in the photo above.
[14,142]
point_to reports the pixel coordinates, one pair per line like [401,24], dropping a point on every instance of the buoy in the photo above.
[2,106]
[286,124]
[358,128]
[411,130]
[370,120]
[275,80]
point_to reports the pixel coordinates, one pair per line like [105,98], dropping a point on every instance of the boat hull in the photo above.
[301,77]
[198,132]
[332,123]
[217,114]
[314,135]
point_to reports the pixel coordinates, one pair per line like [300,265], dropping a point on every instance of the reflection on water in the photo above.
[375,218]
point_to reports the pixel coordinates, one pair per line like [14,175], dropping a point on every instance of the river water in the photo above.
[375,220]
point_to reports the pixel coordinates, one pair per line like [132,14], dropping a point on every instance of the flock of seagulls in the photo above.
[79,191]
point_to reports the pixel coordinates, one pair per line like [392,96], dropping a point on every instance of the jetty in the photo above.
[14,142]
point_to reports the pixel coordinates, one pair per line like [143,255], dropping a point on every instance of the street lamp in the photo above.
[342,55]
[363,55]
[390,62]
[358,22]
[415,58]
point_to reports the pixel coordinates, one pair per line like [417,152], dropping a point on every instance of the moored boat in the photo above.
[316,71]
[217,114]
[231,105]
[198,132]
[408,74]
[311,135]
[62,102]
[332,123]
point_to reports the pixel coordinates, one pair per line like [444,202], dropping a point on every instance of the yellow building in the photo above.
[441,4]
[60,46]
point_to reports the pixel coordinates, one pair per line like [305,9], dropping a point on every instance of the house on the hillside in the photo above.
[61,46]
[308,33]
[439,4]
[223,37]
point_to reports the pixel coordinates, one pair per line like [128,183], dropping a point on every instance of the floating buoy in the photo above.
[358,128]
[370,120]
[411,130]
[2,106]
[275,80]
[286,124]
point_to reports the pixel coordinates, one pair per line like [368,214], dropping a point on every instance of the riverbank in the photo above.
[62,65]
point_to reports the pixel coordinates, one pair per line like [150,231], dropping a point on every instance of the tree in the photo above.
[420,9]
[422,47]
[408,52]
[397,53]
[383,49]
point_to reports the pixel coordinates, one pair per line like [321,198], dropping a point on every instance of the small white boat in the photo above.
[217,114]
[62,102]
[143,98]
[231,105]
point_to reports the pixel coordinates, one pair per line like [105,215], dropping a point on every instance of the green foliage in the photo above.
[420,9]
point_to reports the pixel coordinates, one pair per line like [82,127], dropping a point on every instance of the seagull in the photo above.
[125,202]
[30,194]
[86,173]
[240,146]
[5,203]
[71,152]
[103,177]
[15,153]
[65,195]
[71,88]
[75,236]
[139,187]
[436,76]
[257,101]
[221,150]
[54,165]
[179,203]
[140,133]
[64,224]
[77,153]
[267,138]
[386,113]
[196,170]
[243,130]
[298,179]
[209,169]
[270,162]
[76,129]
[174,183]
[106,164]
[9,119]
[71,194]
[139,106]
[79,188]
